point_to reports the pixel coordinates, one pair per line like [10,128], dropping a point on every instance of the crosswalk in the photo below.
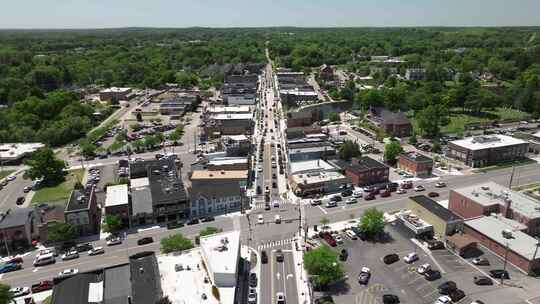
[259,205]
[275,243]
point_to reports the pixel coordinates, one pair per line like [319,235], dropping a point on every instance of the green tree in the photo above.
[150,141]
[44,164]
[61,232]
[431,118]
[324,222]
[372,221]
[323,265]
[5,294]
[87,148]
[112,223]
[349,149]
[176,242]
[413,140]
[209,230]
[334,117]
[391,151]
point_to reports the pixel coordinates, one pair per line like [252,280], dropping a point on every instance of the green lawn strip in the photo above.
[58,192]
[5,173]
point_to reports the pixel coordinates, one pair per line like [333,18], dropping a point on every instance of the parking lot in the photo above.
[403,280]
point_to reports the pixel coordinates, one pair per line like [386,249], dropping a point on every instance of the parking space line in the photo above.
[322,209]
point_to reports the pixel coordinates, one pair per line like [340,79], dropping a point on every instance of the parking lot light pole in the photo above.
[505,261]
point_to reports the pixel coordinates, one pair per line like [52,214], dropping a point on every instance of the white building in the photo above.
[220,253]
[15,152]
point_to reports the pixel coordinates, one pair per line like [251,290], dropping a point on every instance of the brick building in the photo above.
[415,163]
[82,211]
[117,203]
[488,198]
[392,123]
[364,171]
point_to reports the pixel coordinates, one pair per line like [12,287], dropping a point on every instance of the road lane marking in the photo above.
[322,209]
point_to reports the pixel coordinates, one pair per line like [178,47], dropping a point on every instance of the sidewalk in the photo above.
[302,284]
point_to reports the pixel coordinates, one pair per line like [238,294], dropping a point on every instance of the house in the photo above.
[415,74]
[487,150]
[392,123]
[135,282]
[444,221]
[114,94]
[491,198]
[218,192]
[117,203]
[416,164]
[82,211]
[163,185]
[14,153]
[18,227]
[326,72]
[364,171]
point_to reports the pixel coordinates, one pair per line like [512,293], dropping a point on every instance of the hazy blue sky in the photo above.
[228,13]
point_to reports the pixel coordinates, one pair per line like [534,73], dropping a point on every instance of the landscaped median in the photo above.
[61,191]
[5,173]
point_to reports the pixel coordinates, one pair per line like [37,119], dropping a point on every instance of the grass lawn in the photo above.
[5,173]
[59,192]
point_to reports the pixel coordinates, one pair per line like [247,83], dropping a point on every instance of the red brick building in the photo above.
[300,119]
[415,163]
[485,199]
[364,171]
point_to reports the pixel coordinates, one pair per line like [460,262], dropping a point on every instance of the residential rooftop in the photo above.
[492,227]
[487,142]
[490,193]
[435,208]
[221,174]
[117,195]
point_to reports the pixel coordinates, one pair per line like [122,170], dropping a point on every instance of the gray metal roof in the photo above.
[117,284]
[16,217]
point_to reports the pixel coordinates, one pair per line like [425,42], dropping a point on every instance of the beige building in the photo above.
[444,221]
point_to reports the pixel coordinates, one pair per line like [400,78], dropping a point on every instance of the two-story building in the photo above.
[364,171]
[18,227]
[416,164]
[82,211]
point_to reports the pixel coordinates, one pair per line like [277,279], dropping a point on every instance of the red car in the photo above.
[15,260]
[385,193]
[42,286]
[407,185]
[369,197]
[330,240]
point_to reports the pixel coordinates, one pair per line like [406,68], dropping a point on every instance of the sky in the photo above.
[261,13]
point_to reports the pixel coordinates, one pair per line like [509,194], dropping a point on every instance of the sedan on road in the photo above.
[419,188]
[440,185]
[70,255]
[145,240]
[365,274]
[68,272]
[114,241]
[96,251]
[253,280]
[19,291]
[280,298]
[279,255]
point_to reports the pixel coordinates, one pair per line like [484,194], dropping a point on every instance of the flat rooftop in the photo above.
[487,142]
[139,182]
[435,208]
[310,149]
[221,174]
[224,109]
[238,116]
[228,161]
[416,157]
[222,251]
[310,165]
[319,177]
[117,195]
[11,151]
[492,227]
[490,193]
[79,200]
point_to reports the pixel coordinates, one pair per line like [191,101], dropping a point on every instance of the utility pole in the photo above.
[5,242]
[535,252]
[511,177]
[505,262]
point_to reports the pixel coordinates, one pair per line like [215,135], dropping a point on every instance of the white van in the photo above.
[278,219]
[44,259]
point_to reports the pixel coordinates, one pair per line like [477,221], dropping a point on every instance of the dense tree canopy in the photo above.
[44,164]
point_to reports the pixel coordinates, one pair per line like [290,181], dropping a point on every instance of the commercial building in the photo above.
[217,192]
[235,145]
[392,123]
[480,151]
[301,118]
[416,164]
[364,170]
[168,198]
[117,203]
[320,182]
[18,227]
[229,124]
[136,282]
[177,104]
[214,110]
[491,198]
[444,222]
[307,166]
[310,153]
[294,95]
[114,94]
[221,255]
[82,211]
[496,234]
[240,99]
[228,164]
[14,153]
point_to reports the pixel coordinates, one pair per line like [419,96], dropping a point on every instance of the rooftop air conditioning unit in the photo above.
[507,233]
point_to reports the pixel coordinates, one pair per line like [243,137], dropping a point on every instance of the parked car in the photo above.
[208,219]
[350,201]
[365,274]
[70,255]
[369,197]
[174,225]
[443,300]
[279,255]
[83,247]
[329,239]
[114,241]
[401,191]
[390,299]
[252,297]
[482,280]
[347,193]
[456,295]
[351,234]
[361,234]
[27,189]
[338,239]
[145,240]
[433,194]
[432,275]
[357,194]
[343,255]
[499,274]
[423,268]
[264,257]
[42,286]
[434,245]
[316,202]
[440,185]
[390,258]
[68,272]
[253,280]
[193,221]
[9,267]
[19,291]
[480,261]
[96,251]
[20,200]
[447,287]
[419,188]
[336,198]
[410,258]
[14,260]
[331,204]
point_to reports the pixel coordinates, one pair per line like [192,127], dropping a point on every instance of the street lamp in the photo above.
[505,235]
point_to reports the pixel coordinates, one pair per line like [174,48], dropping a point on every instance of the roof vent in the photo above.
[141,270]
[485,188]
[507,234]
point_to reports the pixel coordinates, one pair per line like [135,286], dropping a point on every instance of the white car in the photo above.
[68,272]
[423,268]
[11,178]
[411,257]
[114,241]
[19,291]
[70,255]
[96,251]
[331,204]
[338,239]
[280,298]
[443,300]
[350,200]
[260,169]
[440,185]
[357,194]
[260,219]
[252,298]
[401,191]
[351,234]
[419,188]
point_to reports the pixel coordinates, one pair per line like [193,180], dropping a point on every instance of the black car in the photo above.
[447,287]
[432,275]
[456,295]
[267,207]
[363,277]
[346,193]
[482,280]
[274,185]
[390,299]
[253,280]
[336,198]
[343,255]
[20,200]
[499,274]
[390,258]
[360,233]
[264,257]
[145,240]
[174,225]
[279,255]
[83,247]
[259,190]
[193,221]
[208,219]
[434,245]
